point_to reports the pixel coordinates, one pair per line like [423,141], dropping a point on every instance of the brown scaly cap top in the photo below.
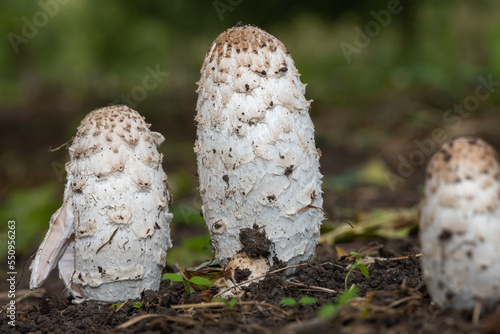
[243,39]
[108,118]
[112,126]
[246,47]
[463,158]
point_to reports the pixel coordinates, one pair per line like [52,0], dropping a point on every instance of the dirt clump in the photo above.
[255,242]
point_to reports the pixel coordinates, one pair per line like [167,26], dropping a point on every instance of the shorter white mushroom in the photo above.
[460,225]
[111,235]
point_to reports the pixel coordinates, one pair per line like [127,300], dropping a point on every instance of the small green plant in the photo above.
[229,303]
[355,265]
[332,309]
[137,304]
[344,298]
[115,306]
[289,301]
[190,285]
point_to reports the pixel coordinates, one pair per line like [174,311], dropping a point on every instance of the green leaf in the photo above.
[363,269]
[328,310]
[289,301]
[172,277]
[356,254]
[137,304]
[346,296]
[116,305]
[331,310]
[200,281]
[231,303]
[307,301]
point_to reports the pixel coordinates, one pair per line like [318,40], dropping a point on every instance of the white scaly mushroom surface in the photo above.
[111,235]
[460,225]
[257,159]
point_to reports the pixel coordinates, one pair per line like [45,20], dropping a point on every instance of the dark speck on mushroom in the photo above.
[449,295]
[445,235]
[446,155]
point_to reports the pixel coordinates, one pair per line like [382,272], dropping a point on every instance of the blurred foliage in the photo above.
[384,223]
[194,250]
[186,214]
[372,172]
[91,48]
[31,209]
[78,55]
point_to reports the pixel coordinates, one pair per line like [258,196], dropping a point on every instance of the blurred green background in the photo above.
[61,59]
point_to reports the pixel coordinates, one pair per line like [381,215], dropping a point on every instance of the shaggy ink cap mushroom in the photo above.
[460,225]
[257,160]
[111,235]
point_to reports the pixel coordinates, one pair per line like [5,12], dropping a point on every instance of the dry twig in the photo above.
[30,293]
[180,320]
[219,304]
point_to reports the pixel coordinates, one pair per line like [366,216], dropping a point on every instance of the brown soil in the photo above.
[393,299]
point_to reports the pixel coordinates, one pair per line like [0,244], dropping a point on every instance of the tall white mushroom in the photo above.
[257,160]
[111,234]
[460,225]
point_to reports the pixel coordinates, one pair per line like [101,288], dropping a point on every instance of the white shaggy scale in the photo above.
[257,159]
[111,235]
[460,225]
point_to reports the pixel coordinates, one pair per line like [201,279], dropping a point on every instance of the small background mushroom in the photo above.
[460,225]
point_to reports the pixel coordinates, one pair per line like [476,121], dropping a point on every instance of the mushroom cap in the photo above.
[110,127]
[243,59]
[249,46]
[462,158]
[460,224]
